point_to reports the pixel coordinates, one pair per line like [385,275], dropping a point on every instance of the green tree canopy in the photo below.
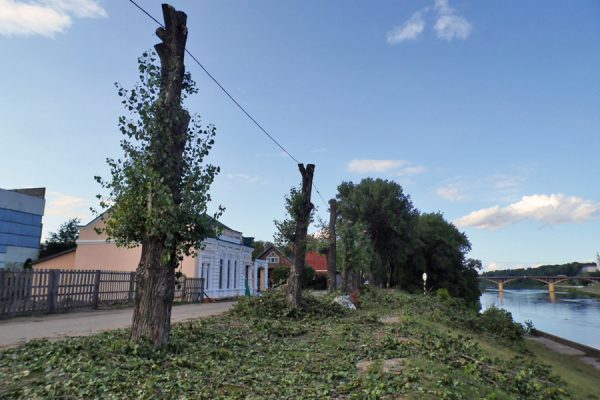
[140,202]
[439,249]
[63,239]
[387,215]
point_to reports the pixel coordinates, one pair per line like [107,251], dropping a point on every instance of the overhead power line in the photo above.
[231,97]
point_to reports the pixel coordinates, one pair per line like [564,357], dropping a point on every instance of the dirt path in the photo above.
[20,330]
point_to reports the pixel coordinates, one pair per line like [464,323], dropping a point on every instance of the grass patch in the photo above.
[261,350]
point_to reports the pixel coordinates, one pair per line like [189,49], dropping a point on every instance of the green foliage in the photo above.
[259,247]
[286,229]
[280,275]
[272,304]
[141,199]
[380,232]
[443,294]
[439,249]
[499,322]
[63,239]
[262,351]
[388,216]
[568,269]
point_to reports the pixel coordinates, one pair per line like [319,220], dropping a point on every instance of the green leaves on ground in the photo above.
[262,351]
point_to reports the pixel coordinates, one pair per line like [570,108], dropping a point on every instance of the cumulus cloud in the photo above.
[64,205]
[449,24]
[550,209]
[44,17]
[366,166]
[410,30]
[451,192]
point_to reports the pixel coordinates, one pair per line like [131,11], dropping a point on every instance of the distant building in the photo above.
[21,212]
[276,258]
[591,267]
[225,262]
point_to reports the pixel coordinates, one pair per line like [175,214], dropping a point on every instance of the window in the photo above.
[228,272]
[221,274]
[235,274]
[207,268]
[273,258]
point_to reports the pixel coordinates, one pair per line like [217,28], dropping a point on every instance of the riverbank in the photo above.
[590,290]
[395,346]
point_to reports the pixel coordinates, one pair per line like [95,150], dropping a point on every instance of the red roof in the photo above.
[317,261]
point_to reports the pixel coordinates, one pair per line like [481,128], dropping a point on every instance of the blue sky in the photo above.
[485,111]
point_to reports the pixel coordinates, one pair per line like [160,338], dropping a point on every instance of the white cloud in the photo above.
[451,192]
[250,179]
[44,17]
[410,30]
[449,24]
[64,205]
[550,209]
[365,166]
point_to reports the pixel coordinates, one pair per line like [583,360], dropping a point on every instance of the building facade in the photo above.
[225,262]
[21,212]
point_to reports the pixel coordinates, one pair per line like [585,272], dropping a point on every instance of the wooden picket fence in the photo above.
[52,290]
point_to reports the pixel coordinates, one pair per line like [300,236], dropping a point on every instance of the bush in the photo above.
[442,293]
[499,322]
[280,275]
[272,304]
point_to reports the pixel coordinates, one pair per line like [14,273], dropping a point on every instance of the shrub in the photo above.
[280,275]
[272,304]
[442,293]
[499,322]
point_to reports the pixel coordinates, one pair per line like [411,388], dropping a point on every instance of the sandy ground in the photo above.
[22,329]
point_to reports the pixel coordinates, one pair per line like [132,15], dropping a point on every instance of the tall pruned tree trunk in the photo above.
[155,277]
[331,251]
[294,286]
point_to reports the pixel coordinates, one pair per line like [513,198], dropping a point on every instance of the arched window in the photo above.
[228,272]
[207,279]
[235,274]
[221,274]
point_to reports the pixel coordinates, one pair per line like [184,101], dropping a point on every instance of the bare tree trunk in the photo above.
[155,275]
[346,271]
[294,286]
[331,251]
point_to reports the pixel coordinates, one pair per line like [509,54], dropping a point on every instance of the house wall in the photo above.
[64,261]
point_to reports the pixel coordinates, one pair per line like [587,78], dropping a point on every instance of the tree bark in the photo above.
[155,277]
[331,251]
[294,286]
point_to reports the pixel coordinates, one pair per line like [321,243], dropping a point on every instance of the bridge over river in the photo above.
[550,281]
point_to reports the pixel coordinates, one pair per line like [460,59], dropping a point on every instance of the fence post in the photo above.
[53,282]
[131,287]
[96,294]
[183,282]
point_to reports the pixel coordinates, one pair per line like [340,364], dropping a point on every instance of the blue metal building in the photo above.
[21,212]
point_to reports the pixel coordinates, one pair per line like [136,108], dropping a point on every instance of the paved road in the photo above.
[22,329]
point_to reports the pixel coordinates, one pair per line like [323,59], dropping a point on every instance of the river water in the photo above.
[569,315]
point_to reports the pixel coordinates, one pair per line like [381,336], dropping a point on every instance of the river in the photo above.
[572,316]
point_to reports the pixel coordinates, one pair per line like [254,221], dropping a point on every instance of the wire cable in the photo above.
[231,98]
